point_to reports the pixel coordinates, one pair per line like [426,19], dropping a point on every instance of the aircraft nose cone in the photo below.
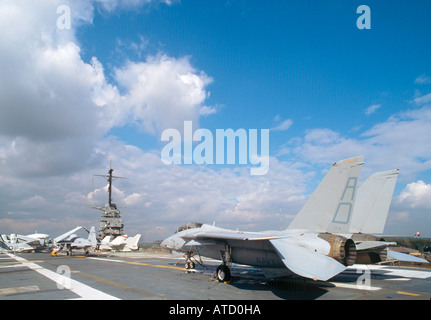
[167,243]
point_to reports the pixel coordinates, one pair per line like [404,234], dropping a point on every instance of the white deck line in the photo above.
[82,290]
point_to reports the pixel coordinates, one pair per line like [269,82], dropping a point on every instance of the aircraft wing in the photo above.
[232,235]
[305,262]
[65,235]
[29,240]
[299,260]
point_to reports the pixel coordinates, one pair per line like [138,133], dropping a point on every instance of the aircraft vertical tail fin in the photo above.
[92,236]
[372,202]
[132,242]
[330,206]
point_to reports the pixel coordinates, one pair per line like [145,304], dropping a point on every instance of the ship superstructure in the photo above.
[110,223]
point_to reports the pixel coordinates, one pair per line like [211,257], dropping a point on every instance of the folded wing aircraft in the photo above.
[21,243]
[306,248]
[71,241]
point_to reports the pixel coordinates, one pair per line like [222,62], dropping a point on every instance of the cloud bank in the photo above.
[57,112]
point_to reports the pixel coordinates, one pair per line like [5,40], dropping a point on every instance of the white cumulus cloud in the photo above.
[416,195]
[163,92]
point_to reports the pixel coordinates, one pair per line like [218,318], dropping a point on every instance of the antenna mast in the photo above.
[110,180]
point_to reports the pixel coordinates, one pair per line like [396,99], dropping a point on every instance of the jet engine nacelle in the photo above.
[342,249]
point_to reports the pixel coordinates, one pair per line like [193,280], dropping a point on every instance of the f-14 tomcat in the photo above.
[318,244]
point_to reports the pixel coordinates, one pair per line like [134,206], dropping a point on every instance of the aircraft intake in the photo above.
[342,249]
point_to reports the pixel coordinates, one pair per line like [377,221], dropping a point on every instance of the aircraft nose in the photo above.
[173,242]
[167,243]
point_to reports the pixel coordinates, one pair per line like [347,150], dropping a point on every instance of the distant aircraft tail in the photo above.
[372,203]
[92,236]
[118,241]
[132,242]
[330,207]
[4,247]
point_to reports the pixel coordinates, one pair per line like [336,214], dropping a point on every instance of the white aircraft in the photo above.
[70,241]
[326,236]
[120,243]
[311,247]
[30,243]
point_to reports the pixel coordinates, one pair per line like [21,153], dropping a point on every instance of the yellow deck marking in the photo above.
[152,265]
[18,290]
[139,263]
[408,293]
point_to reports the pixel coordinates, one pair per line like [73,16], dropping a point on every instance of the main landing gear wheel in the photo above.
[223,273]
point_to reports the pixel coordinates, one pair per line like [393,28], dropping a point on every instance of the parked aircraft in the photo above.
[69,241]
[30,243]
[329,233]
[306,248]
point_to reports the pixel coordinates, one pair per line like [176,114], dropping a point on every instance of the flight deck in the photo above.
[152,275]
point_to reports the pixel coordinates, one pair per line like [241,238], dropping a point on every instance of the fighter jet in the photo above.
[337,213]
[69,241]
[312,246]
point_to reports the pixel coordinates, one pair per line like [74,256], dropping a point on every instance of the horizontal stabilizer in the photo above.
[367,245]
[306,263]
[404,257]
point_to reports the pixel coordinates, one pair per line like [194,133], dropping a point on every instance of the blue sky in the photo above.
[304,61]
[127,70]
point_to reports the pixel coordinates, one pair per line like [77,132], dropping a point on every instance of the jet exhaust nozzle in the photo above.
[342,249]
